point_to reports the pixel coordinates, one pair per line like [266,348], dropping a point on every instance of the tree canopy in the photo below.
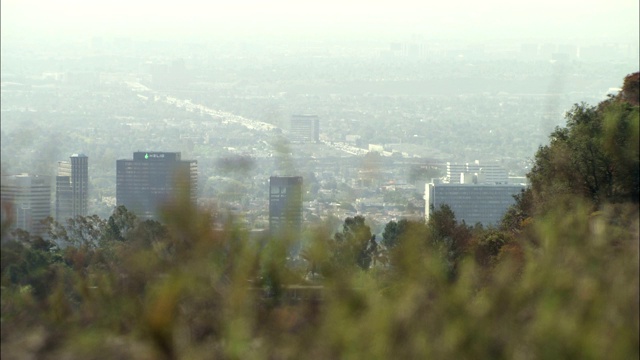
[595,157]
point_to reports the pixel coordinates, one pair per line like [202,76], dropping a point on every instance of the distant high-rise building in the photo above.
[454,171]
[305,128]
[473,203]
[492,174]
[64,192]
[285,204]
[29,197]
[476,173]
[152,179]
[72,187]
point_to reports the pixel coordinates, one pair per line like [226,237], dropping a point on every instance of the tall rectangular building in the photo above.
[285,204]
[152,179]
[473,203]
[305,128]
[476,173]
[29,198]
[72,187]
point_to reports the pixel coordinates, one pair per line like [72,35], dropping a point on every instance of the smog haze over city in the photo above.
[431,82]
[200,21]
[320,179]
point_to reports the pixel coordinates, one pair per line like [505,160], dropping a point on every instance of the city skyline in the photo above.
[320,179]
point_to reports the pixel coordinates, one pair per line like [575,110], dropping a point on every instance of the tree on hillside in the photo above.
[396,232]
[392,233]
[519,213]
[120,223]
[86,230]
[27,260]
[442,223]
[631,89]
[448,237]
[351,245]
[594,157]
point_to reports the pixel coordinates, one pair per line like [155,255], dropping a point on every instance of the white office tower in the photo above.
[305,128]
[474,173]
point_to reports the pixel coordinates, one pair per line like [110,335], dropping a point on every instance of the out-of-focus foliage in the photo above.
[188,290]
[558,279]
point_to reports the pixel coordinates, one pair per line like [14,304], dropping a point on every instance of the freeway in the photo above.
[224,116]
[191,107]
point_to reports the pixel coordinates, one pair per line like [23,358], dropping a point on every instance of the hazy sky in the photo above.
[471,19]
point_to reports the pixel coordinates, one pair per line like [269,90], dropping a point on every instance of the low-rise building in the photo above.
[472,203]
